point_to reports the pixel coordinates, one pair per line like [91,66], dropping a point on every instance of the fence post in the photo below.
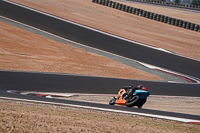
[103,2]
[106,2]
[123,7]
[127,8]
[165,19]
[177,22]
[184,24]
[169,20]
[147,14]
[99,1]
[196,27]
[120,6]
[173,21]
[158,17]
[154,16]
[144,14]
[134,11]
[162,18]
[116,5]
[130,10]
[113,4]
[180,24]
[110,3]
[137,11]
[192,26]
[188,25]
[140,12]
[151,15]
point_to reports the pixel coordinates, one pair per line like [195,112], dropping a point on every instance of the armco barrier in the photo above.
[150,15]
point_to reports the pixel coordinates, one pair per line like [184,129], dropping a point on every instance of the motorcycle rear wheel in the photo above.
[132,101]
[141,103]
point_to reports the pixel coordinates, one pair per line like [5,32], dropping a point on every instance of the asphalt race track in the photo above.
[46,82]
[101,41]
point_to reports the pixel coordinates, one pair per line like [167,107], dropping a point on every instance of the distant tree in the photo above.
[195,2]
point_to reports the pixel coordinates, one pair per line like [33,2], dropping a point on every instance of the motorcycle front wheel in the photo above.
[112,101]
[132,101]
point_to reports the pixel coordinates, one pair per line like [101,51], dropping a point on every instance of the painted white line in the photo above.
[109,110]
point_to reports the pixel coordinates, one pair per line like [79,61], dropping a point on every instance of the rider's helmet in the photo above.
[142,87]
[127,87]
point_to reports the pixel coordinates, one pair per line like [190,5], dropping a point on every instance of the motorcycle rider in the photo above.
[127,97]
[129,90]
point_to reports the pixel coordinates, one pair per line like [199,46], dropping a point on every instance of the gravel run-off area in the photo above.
[31,117]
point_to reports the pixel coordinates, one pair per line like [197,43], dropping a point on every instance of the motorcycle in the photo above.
[138,98]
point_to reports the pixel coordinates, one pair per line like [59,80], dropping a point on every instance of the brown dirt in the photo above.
[23,50]
[44,118]
[181,41]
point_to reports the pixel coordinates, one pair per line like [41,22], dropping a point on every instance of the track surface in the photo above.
[101,41]
[26,81]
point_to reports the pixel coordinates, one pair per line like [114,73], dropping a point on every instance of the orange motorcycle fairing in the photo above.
[119,99]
